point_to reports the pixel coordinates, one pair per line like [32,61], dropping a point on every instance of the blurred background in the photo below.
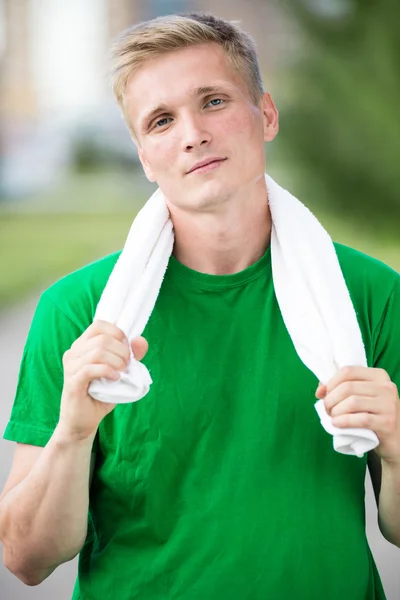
[70,182]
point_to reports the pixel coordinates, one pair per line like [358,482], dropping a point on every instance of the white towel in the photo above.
[309,285]
[131,293]
[315,304]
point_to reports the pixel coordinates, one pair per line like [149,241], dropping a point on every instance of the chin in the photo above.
[208,201]
[201,196]
[213,193]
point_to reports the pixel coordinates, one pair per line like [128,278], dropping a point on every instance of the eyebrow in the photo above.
[197,92]
[148,117]
[201,91]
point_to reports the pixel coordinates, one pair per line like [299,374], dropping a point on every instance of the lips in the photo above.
[205,163]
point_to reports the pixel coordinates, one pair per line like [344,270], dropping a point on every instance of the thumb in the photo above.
[320,391]
[139,347]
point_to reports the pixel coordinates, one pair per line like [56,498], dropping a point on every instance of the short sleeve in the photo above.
[36,407]
[387,337]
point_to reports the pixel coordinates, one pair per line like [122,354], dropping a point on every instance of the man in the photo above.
[220,483]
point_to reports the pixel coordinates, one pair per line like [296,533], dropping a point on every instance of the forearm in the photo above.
[389,502]
[43,520]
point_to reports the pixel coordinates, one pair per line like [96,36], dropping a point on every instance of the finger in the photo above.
[97,356]
[105,342]
[139,347]
[89,373]
[351,388]
[364,420]
[361,404]
[320,391]
[103,327]
[357,374]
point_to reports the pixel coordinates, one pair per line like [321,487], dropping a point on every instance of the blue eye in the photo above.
[162,122]
[216,102]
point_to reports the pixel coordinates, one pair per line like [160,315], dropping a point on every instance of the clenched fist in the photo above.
[101,351]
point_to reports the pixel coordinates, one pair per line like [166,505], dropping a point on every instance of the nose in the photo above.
[194,133]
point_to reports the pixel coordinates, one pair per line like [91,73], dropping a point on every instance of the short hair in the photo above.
[150,39]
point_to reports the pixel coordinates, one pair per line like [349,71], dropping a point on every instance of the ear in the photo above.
[270,117]
[146,167]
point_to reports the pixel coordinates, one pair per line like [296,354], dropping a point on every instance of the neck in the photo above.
[227,240]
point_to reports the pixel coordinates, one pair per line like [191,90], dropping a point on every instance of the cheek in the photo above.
[159,153]
[243,126]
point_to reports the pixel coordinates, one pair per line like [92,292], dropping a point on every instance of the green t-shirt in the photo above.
[220,484]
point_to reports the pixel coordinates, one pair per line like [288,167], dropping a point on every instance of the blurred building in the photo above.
[52,66]
[17,97]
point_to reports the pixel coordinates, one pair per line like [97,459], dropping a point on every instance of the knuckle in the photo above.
[383,374]
[90,372]
[353,403]
[348,388]
[95,328]
[346,371]
[96,355]
[102,328]
[102,340]
[99,325]
[390,422]
[335,411]
[364,421]
[390,386]
[119,334]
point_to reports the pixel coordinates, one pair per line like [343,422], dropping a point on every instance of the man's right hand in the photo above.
[101,351]
[43,517]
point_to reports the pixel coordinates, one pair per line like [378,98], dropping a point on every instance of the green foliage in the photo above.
[340,127]
[94,150]
[38,249]
[49,235]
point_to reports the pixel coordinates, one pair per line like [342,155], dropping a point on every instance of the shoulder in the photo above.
[362,271]
[76,295]
[372,284]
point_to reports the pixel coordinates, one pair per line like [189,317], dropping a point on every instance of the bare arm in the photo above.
[385,478]
[366,397]
[43,518]
[375,471]
[44,509]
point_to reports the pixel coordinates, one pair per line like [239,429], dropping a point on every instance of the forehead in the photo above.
[172,76]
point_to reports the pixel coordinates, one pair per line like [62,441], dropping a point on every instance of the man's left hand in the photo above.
[365,397]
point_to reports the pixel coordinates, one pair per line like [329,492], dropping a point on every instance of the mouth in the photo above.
[207,165]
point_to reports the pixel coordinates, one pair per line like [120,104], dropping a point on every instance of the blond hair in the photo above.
[165,34]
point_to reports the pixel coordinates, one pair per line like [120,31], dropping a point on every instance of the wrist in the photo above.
[67,435]
[391,464]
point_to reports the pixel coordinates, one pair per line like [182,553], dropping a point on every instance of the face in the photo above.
[200,135]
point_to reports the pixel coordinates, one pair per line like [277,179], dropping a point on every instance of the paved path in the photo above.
[13,330]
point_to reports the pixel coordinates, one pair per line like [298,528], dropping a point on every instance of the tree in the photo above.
[341,125]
